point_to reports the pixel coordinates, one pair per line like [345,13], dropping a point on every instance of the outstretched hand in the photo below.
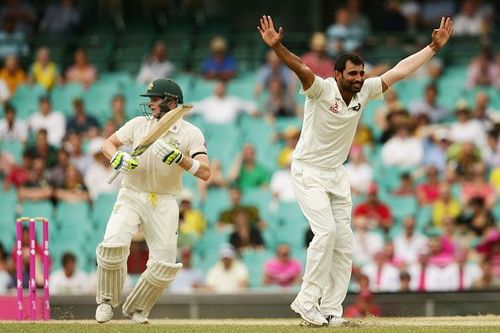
[269,35]
[441,35]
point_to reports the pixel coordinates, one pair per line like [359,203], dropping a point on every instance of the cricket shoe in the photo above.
[103,313]
[138,317]
[311,316]
[334,321]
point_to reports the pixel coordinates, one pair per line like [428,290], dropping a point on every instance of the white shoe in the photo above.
[336,321]
[103,313]
[139,318]
[312,316]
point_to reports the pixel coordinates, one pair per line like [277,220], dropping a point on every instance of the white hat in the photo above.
[226,251]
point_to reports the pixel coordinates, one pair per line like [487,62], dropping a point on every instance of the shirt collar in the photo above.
[354,100]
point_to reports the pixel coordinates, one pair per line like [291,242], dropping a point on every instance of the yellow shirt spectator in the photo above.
[443,209]
[495,179]
[193,223]
[13,79]
[45,76]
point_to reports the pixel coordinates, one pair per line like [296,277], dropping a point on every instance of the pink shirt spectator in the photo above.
[485,191]
[282,273]
[428,192]
[480,73]
[319,65]
[85,76]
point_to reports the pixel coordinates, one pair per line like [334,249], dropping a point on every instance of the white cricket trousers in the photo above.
[325,199]
[159,215]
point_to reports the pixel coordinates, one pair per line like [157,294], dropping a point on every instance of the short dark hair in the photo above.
[67,258]
[341,61]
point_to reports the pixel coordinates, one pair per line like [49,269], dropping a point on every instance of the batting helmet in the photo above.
[164,88]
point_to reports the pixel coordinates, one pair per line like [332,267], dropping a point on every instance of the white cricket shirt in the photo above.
[329,124]
[152,175]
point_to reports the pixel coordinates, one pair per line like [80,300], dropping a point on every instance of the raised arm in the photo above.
[410,64]
[273,39]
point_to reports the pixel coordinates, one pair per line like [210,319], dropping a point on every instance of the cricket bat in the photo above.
[157,132]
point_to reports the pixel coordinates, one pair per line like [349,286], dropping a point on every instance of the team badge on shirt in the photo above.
[174,142]
[334,108]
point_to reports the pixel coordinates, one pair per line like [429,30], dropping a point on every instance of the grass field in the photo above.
[433,324]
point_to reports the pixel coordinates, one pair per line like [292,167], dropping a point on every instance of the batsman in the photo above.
[147,197]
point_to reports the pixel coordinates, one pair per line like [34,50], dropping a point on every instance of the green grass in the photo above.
[483,324]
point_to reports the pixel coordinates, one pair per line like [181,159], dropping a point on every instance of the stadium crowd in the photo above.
[424,168]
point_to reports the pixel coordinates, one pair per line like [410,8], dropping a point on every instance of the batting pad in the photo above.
[111,273]
[155,279]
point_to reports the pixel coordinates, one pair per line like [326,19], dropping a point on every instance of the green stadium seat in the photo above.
[133,99]
[217,200]
[14,148]
[102,208]
[8,203]
[63,96]
[255,261]
[26,99]
[98,100]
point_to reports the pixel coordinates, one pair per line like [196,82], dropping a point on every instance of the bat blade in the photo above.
[157,132]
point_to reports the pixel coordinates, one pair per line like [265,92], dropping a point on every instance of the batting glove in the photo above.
[123,162]
[166,152]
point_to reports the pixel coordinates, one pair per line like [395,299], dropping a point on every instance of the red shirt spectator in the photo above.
[317,60]
[363,307]
[376,212]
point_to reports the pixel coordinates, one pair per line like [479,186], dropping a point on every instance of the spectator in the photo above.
[81,123]
[217,179]
[428,191]
[487,281]
[44,71]
[391,19]
[482,112]
[462,273]
[390,104]
[317,59]
[12,128]
[4,92]
[245,235]
[221,108]
[119,115]
[283,270]
[246,172]
[376,212]
[477,218]
[432,11]
[73,144]
[483,71]
[358,19]
[63,18]
[18,174]
[404,282]
[274,68]
[12,40]
[406,186]
[42,148]
[441,251]
[490,249]
[395,119]
[469,21]
[228,275]
[467,129]
[37,185]
[445,206]
[478,187]
[12,74]
[228,216]
[191,220]
[81,71]
[188,279]
[408,243]
[429,105]
[403,149]
[382,275]
[366,242]
[291,136]
[57,172]
[69,280]
[98,172]
[155,64]
[364,306]
[343,36]
[22,13]
[281,185]
[411,10]
[52,121]
[426,277]
[436,144]
[73,190]
[219,66]
[5,278]
[462,158]
[280,102]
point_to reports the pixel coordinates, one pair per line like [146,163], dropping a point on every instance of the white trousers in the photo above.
[159,216]
[325,199]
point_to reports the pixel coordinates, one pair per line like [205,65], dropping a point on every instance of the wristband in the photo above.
[194,167]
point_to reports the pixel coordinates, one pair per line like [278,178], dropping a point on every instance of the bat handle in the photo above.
[113,176]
